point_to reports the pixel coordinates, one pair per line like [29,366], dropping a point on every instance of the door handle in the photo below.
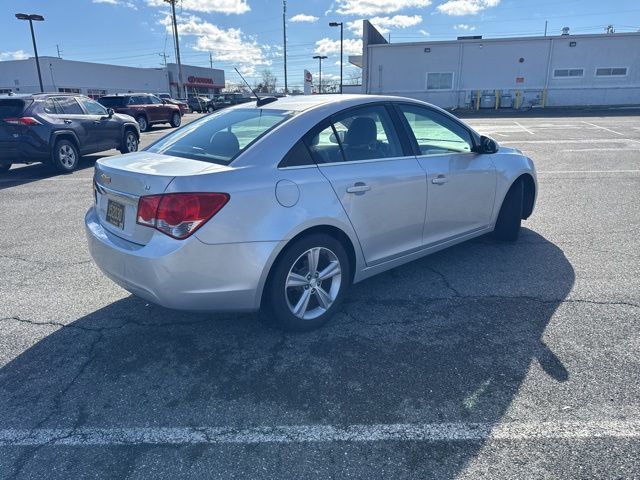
[96,122]
[439,180]
[358,187]
[67,121]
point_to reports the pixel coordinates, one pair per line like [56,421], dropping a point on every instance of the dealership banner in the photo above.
[308,80]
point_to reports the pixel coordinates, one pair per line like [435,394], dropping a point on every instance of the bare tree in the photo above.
[268,83]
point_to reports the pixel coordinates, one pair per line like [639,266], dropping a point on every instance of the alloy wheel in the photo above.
[132,142]
[313,283]
[67,156]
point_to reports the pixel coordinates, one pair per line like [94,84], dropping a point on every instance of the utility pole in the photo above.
[340,24]
[211,60]
[164,58]
[59,52]
[546,22]
[284,32]
[181,88]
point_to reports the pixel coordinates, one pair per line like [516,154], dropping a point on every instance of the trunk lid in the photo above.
[121,180]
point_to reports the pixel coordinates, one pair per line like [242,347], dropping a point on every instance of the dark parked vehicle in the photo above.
[147,109]
[183,104]
[59,128]
[198,104]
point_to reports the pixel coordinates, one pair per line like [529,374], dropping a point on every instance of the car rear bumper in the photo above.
[182,274]
[22,152]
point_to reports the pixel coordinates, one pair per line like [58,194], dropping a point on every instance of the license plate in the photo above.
[115,214]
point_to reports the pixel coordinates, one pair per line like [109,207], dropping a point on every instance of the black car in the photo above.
[59,128]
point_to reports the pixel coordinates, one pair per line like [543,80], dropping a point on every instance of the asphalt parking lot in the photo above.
[486,360]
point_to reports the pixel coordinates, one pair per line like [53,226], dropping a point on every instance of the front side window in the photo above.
[93,108]
[220,137]
[436,134]
[154,100]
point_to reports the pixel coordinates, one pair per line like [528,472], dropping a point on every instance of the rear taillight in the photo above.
[28,121]
[179,214]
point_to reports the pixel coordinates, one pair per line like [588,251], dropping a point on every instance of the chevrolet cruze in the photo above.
[282,204]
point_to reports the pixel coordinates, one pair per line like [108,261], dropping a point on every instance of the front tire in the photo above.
[308,283]
[4,168]
[175,120]
[510,216]
[129,142]
[143,123]
[65,156]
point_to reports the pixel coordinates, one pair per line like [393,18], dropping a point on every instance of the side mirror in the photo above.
[488,145]
[110,112]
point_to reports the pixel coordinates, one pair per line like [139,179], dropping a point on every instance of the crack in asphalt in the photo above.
[45,263]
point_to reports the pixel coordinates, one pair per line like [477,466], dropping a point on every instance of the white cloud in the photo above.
[327,46]
[301,17]
[385,24]
[15,55]
[373,7]
[208,6]
[124,3]
[229,45]
[424,32]
[464,27]
[466,7]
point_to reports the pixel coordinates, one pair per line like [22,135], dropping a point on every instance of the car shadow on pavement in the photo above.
[446,339]
[22,175]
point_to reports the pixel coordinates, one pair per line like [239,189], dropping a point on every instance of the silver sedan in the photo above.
[283,204]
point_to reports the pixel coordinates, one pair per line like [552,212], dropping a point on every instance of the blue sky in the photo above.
[248,33]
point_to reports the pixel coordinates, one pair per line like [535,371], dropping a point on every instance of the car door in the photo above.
[74,118]
[378,181]
[461,184]
[105,129]
[160,110]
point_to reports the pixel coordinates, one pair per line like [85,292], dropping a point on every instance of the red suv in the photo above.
[147,109]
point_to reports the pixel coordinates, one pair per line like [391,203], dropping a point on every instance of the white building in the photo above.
[563,70]
[97,79]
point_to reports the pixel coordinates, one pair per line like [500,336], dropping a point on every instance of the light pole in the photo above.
[182,89]
[340,24]
[32,18]
[320,58]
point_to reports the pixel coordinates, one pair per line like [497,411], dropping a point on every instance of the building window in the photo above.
[611,72]
[96,93]
[69,90]
[4,91]
[568,72]
[439,80]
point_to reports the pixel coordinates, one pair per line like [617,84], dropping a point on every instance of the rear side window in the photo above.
[12,108]
[298,156]
[111,102]
[51,106]
[69,106]
[139,100]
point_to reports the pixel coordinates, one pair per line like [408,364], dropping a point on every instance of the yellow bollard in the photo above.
[544,98]
[517,99]
[477,99]
[498,94]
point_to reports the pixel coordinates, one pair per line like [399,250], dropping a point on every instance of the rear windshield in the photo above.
[12,108]
[111,102]
[220,137]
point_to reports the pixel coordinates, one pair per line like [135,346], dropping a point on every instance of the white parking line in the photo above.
[586,171]
[524,128]
[576,140]
[602,128]
[429,432]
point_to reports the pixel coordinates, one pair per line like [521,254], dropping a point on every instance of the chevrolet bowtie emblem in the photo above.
[105,178]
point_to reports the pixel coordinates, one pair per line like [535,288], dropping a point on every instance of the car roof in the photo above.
[22,96]
[299,103]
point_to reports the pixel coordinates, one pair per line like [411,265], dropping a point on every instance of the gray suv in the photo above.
[59,128]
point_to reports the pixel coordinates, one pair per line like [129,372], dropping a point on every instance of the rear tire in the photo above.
[510,216]
[176,119]
[4,168]
[129,142]
[300,296]
[65,156]
[143,123]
